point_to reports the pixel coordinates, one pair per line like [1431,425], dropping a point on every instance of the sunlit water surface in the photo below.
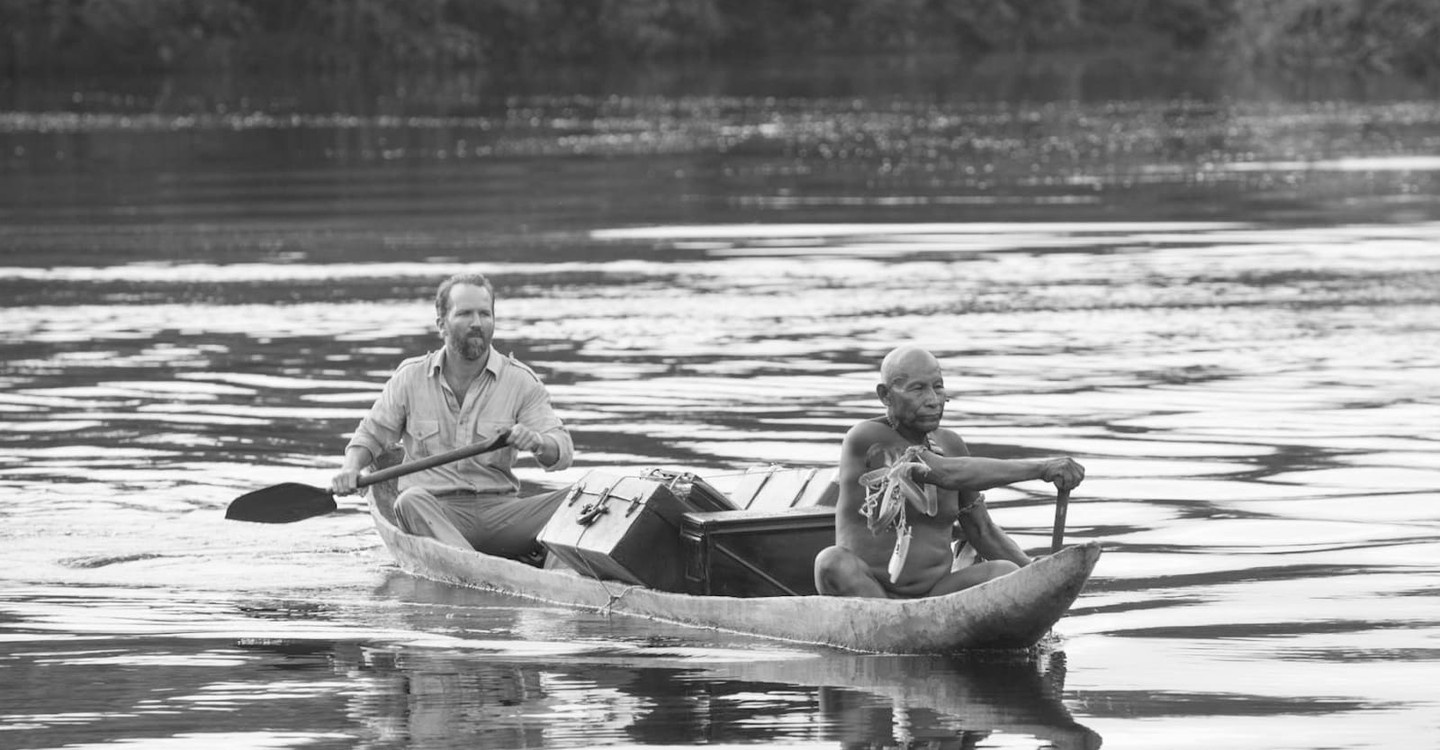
[1227,310]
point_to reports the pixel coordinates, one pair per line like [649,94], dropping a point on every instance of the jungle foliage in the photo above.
[47,35]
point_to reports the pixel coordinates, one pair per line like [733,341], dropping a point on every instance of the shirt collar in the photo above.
[437,362]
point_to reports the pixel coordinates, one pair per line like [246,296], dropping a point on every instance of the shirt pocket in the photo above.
[424,437]
[487,429]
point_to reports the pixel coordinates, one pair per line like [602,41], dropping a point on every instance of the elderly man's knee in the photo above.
[830,557]
[834,566]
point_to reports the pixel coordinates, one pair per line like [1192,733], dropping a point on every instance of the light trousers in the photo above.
[500,525]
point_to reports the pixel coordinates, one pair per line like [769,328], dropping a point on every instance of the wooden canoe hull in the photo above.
[1011,612]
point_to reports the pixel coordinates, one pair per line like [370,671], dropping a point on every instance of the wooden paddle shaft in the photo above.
[474,449]
[1057,537]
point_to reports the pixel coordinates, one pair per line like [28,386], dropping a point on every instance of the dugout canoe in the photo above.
[1012,612]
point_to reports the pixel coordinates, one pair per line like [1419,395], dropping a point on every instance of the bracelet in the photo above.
[969,509]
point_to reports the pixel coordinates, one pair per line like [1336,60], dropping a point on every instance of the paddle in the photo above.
[1057,536]
[291,501]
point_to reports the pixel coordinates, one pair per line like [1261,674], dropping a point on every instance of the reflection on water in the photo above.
[1226,308]
[424,666]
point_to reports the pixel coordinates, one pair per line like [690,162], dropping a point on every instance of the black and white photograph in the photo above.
[822,375]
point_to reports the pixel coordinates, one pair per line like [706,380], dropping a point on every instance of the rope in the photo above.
[609,608]
[584,528]
[612,597]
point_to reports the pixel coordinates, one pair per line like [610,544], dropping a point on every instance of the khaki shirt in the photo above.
[418,410]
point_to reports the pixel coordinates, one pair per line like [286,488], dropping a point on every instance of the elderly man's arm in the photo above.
[988,538]
[978,474]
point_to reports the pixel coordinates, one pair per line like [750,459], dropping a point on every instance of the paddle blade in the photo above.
[283,503]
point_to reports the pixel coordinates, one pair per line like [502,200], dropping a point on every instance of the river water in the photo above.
[1222,296]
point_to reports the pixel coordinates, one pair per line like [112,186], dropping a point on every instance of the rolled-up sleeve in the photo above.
[537,414]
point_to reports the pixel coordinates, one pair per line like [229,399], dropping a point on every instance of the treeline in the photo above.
[85,35]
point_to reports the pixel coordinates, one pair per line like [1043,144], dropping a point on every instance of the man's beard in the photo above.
[471,347]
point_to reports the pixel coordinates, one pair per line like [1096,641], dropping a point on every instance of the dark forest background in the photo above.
[49,36]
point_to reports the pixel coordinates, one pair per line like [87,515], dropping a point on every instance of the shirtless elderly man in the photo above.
[861,562]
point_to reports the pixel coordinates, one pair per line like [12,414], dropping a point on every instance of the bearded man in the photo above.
[463,393]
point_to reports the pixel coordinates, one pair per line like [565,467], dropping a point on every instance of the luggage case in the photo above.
[755,553]
[620,528]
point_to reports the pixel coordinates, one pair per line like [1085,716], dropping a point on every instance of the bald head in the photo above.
[906,362]
[913,391]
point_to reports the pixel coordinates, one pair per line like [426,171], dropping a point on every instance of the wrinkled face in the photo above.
[469,324]
[915,396]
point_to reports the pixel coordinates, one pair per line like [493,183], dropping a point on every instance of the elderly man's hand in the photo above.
[1065,473]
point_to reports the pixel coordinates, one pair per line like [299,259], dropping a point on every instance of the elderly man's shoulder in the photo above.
[870,425]
[869,431]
